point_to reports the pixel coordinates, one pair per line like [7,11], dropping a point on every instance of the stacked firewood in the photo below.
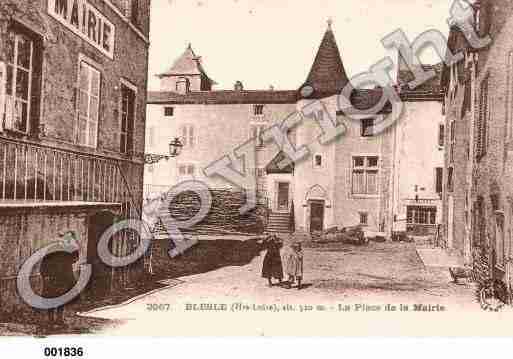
[223,217]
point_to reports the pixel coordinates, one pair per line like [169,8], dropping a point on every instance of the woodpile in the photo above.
[223,217]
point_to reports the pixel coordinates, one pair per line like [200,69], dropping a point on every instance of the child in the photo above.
[295,265]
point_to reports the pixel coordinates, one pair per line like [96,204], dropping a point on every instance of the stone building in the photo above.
[349,181]
[479,95]
[492,172]
[73,76]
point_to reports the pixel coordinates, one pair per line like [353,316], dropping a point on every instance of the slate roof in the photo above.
[224,97]
[327,75]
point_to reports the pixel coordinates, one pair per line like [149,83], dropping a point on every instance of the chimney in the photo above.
[238,86]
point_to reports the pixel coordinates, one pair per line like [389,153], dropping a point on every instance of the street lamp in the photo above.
[175,148]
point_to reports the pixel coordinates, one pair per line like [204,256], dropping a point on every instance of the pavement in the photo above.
[335,276]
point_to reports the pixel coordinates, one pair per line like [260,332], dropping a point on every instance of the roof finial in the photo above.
[330,22]
[190,46]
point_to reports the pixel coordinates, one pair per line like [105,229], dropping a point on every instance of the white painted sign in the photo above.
[86,21]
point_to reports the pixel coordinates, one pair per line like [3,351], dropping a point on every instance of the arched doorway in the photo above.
[316,202]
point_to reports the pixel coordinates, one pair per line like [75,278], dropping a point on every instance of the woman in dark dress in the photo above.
[272,267]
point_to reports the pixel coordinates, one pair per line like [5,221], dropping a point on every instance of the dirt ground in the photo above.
[228,270]
[333,274]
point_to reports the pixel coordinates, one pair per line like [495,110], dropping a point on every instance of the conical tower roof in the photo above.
[327,75]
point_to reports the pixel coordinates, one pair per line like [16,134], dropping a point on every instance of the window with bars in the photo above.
[88,104]
[128,96]
[367,127]
[482,120]
[365,175]
[19,81]
[256,131]
[421,215]
[187,135]
[364,218]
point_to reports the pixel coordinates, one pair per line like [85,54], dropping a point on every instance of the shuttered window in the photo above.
[187,135]
[482,120]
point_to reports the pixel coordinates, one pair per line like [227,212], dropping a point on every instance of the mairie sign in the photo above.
[86,21]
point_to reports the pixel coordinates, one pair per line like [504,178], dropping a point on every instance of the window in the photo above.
[441,135]
[421,215]
[450,179]
[88,104]
[317,161]
[186,169]
[365,175]
[169,111]
[482,119]
[439,175]
[364,218]
[256,133]
[258,110]
[183,85]
[259,172]
[187,135]
[20,81]
[127,119]
[367,127]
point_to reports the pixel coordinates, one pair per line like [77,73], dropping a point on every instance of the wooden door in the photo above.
[283,196]
[316,216]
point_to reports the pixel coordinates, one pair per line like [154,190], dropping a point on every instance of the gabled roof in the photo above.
[220,97]
[187,64]
[327,75]
[274,166]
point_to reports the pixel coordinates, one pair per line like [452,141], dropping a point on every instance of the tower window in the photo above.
[317,161]
[169,111]
[367,127]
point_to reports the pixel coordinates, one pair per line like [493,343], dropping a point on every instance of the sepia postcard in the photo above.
[255,168]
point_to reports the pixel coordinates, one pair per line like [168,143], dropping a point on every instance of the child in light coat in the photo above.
[295,265]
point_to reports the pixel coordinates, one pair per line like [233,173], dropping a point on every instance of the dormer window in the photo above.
[183,85]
